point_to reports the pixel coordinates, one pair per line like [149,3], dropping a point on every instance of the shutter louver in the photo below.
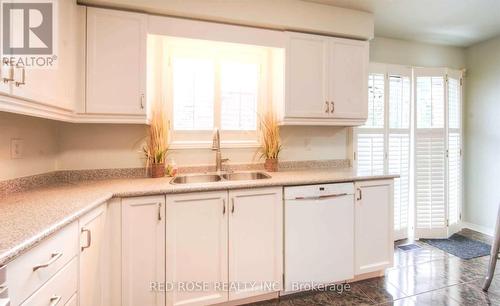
[430,182]
[399,161]
[370,156]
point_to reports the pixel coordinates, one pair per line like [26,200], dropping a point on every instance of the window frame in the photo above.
[218,52]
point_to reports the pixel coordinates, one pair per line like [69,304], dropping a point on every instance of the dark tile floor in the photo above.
[425,276]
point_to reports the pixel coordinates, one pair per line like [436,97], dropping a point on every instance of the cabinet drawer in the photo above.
[31,270]
[59,289]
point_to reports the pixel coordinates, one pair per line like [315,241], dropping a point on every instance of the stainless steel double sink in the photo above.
[208,178]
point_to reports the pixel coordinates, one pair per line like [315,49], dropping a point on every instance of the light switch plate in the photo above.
[16,148]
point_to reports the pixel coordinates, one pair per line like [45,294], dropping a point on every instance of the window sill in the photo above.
[237,144]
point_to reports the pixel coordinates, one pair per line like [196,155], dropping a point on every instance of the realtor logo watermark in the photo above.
[29,33]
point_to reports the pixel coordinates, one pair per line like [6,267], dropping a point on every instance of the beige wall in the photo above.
[482,134]
[87,146]
[40,145]
[395,51]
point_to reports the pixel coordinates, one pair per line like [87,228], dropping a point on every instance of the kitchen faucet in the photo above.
[216,147]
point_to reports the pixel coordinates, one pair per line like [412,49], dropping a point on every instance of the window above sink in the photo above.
[209,84]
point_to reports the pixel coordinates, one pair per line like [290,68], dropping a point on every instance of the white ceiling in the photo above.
[448,22]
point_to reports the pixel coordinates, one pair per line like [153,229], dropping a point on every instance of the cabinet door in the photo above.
[255,241]
[116,62]
[5,70]
[374,221]
[305,81]
[197,247]
[92,227]
[62,85]
[143,250]
[348,78]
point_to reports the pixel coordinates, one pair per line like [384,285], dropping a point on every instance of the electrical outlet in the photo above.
[16,148]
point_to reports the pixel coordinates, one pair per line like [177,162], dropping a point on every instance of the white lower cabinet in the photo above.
[59,289]
[30,271]
[197,247]
[143,250]
[92,270]
[255,242]
[374,246]
[231,243]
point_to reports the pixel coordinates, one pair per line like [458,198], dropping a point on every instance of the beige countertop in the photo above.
[28,217]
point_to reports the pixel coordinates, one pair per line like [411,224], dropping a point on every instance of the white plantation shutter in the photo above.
[399,147]
[430,148]
[370,153]
[430,208]
[399,162]
[454,150]
[383,144]
[376,101]
[370,138]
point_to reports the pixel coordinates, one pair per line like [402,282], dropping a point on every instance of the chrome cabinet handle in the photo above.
[53,258]
[360,194]
[89,239]
[142,101]
[55,299]
[232,205]
[223,207]
[332,109]
[159,211]
[23,76]
[327,110]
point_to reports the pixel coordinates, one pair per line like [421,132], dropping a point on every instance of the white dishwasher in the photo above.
[319,235]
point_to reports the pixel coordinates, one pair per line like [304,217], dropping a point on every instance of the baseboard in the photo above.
[478,228]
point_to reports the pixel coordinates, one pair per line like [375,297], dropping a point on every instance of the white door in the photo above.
[143,250]
[61,85]
[255,241]
[92,227]
[306,77]
[196,250]
[347,83]
[116,62]
[374,242]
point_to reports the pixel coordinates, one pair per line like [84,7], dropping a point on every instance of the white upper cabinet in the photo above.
[116,62]
[255,240]
[306,81]
[326,81]
[348,79]
[374,242]
[50,91]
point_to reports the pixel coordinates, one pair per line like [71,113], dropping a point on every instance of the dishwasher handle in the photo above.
[323,197]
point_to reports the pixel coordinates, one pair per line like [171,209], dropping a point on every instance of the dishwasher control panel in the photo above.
[317,191]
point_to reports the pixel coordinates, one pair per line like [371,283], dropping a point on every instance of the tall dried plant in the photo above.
[270,136]
[156,146]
